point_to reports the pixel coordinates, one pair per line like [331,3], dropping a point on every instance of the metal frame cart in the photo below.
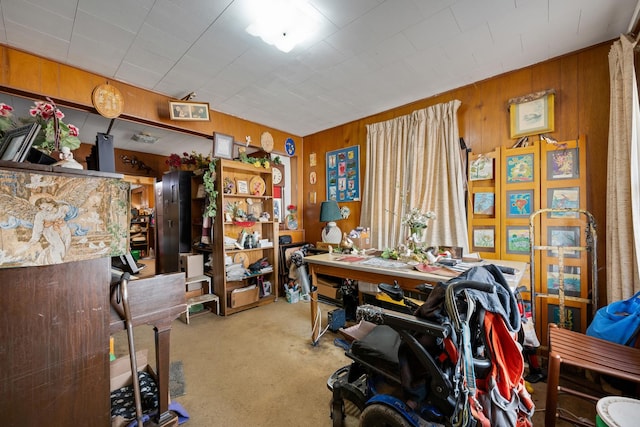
[591,246]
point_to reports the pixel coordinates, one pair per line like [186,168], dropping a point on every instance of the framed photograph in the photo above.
[481,168]
[519,203]
[278,214]
[531,114]
[187,110]
[520,168]
[484,204]
[563,198]
[563,236]
[563,164]
[572,316]
[16,142]
[242,187]
[222,145]
[518,241]
[484,239]
[571,280]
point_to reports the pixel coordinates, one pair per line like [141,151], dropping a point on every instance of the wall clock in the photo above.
[107,100]
[290,146]
[278,175]
[266,142]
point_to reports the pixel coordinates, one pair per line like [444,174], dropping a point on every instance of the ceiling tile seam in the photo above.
[186,51]
[131,43]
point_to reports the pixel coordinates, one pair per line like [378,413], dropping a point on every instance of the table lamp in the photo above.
[330,213]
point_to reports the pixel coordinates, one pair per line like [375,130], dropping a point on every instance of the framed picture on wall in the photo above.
[571,280]
[484,238]
[532,114]
[484,203]
[481,168]
[222,145]
[563,164]
[519,203]
[563,198]
[518,241]
[520,168]
[186,110]
[565,237]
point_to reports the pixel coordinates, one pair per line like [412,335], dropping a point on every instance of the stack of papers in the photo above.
[235,272]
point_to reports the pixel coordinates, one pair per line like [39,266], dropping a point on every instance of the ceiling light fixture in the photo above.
[283,23]
[145,137]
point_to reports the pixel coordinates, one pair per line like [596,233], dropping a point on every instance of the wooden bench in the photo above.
[582,351]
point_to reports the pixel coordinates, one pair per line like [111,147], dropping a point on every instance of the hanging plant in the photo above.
[209,179]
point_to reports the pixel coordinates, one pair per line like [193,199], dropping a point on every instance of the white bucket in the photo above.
[618,411]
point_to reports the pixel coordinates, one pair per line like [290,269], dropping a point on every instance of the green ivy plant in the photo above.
[209,178]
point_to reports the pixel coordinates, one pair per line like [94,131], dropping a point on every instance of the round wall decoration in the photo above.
[290,146]
[107,100]
[266,142]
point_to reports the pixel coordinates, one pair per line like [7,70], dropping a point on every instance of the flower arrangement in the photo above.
[193,160]
[417,220]
[54,133]
[292,209]
[6,121]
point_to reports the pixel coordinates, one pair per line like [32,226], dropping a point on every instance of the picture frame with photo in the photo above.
[484,203]
[563,236]
[222,145]
[563,198]
[519,203]
[572,317]
[481,169]
[532,114]
[15,144]
[188,110]
[520,168]
[571,279]
[242,186]
[563,164]
[484,238]
[518,240]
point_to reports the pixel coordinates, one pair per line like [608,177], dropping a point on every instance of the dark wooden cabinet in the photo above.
[174,221]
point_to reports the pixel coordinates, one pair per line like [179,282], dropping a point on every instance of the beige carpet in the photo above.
[258,368]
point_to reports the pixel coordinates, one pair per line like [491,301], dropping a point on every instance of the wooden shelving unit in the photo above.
[235,295]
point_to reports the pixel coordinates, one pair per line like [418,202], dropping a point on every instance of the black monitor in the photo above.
[126,263]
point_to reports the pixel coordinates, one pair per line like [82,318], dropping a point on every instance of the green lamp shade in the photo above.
[329,213]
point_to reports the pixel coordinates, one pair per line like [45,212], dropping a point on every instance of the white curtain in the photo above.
[623,183]
[414,161]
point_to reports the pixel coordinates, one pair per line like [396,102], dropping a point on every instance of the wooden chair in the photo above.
[583,351]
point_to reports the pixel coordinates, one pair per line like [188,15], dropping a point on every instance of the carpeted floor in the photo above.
[258,368]
[177,382]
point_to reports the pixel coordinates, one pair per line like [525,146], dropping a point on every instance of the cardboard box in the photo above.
[362,242]
[120,376]
[327,288]
[244,296]
[192,264]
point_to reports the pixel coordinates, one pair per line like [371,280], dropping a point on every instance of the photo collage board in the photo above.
[343,174]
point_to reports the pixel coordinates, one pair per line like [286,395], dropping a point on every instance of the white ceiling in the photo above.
[369,55]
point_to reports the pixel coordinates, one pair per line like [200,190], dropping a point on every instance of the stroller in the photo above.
[455,362]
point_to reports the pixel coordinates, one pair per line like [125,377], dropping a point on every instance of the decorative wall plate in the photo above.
[266,142]
[241,258]
[107,100]
[257,186]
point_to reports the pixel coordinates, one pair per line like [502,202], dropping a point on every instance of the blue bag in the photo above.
[617,322]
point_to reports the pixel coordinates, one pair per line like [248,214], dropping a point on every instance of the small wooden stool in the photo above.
[582,351]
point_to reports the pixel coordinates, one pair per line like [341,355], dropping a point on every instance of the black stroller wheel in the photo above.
[379,415]
[337,412]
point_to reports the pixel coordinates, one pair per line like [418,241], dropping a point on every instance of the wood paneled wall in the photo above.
[581,81]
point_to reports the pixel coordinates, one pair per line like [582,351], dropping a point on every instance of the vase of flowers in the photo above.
[292,219]
[54,133]
[417,222]
[188,162]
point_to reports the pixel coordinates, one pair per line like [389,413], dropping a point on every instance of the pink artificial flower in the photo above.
[5,110]
[73,131]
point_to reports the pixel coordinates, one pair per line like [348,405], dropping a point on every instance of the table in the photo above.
[376,270]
